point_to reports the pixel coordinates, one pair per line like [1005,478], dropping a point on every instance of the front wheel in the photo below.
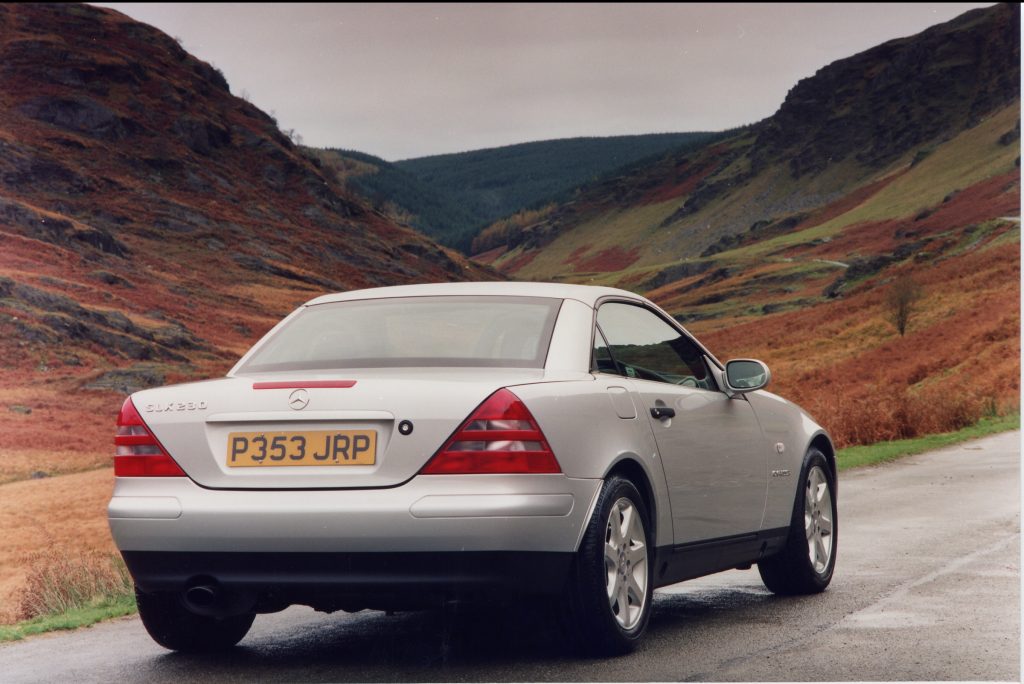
[608,600]
[175,627]
[806,563]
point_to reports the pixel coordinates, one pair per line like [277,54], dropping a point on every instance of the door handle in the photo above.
[663,412]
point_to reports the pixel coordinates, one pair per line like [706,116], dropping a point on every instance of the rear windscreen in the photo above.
[496,332]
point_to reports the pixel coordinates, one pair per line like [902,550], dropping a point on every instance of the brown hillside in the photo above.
[152,226]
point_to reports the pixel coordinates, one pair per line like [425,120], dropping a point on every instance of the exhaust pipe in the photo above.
[202,597]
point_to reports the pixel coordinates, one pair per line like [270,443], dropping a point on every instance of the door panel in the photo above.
[714,459]
[712,448]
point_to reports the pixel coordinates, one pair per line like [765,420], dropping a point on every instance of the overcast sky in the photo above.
[404,81]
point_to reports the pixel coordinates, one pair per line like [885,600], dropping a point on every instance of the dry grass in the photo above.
[66,514]
[59,582]
[900,414]
[846,364]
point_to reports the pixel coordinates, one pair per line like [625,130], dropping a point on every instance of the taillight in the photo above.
[500,436]
[138,453]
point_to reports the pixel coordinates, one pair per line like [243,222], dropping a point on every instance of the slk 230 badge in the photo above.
[162,407]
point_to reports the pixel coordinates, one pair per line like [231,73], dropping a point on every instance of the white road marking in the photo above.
[881,614]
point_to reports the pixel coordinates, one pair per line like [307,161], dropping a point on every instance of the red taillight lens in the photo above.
[138,453]
[500,436]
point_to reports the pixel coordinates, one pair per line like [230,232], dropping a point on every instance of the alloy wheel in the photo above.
[625,559]
[818,519]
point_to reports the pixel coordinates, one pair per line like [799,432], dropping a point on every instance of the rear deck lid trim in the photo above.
[304,384]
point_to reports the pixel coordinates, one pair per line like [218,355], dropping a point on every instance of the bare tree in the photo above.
[901,301]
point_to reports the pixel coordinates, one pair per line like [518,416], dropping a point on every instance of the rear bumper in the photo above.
[428,514]
[353,581]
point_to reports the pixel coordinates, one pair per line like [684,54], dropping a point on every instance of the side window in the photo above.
[644,346]
[603,361]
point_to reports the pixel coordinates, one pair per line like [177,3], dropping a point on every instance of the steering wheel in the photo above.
[688,382]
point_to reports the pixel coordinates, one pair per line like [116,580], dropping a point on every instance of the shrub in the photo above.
[902,302]
[897,414]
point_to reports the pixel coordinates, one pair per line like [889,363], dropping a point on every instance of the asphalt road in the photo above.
[927,587]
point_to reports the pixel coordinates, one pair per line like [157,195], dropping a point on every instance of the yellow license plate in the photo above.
[317,448]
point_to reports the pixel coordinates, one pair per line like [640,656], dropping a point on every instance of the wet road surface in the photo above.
[927,587]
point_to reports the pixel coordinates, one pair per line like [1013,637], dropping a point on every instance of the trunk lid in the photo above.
[201,424]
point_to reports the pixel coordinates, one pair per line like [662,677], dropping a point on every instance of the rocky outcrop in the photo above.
[883,102]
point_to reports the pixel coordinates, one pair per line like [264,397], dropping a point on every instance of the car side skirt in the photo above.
[696,559]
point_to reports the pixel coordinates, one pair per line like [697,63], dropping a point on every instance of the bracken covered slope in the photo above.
[152,226]
[783,241]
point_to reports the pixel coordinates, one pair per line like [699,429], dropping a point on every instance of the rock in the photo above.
[675,272]
[124,343]
[1011,136]
[111,279]
[201,136]
[193,133]
[909,248]
[82,115]
[212,74]
[18,408]
[886,101]
[59,231]
[175,337]
[255,263]
[128,380]
[858,268]
[711,299]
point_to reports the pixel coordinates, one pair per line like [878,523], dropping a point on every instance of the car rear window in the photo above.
[495,332]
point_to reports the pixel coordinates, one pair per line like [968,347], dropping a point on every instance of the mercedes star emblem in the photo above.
[299,399]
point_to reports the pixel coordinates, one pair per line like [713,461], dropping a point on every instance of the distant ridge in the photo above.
[451,197]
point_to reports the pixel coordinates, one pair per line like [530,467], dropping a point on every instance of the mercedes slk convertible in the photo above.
[429,445]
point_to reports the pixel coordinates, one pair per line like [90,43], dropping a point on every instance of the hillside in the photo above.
[152,226]
[451,197]
[404,197]
[783,240]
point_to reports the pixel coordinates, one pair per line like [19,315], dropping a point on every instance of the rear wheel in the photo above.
[608,600]
[805,564]
[174,626]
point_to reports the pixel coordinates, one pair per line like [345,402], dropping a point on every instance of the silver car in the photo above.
[418,446]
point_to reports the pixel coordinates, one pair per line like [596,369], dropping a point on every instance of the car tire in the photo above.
[175,627]
[806,563]
[607,602]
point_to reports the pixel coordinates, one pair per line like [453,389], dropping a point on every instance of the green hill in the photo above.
[451,197]
[402,195]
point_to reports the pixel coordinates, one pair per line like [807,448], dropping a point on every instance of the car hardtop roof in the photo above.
[588,294]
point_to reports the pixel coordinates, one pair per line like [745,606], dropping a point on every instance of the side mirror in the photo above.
[746,375]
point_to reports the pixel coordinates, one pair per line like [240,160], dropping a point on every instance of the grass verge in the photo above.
[70,619]
[880,452]
[65,590]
